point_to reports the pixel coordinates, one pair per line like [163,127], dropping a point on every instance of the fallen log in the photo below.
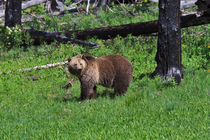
[49,37]
[37,67]
[136,29]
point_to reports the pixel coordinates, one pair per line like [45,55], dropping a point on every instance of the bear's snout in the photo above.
[79,70]
[74,71]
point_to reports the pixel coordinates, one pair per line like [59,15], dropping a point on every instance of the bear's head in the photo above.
[77,65]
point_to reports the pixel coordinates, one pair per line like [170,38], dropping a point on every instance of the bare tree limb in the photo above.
[37,67]
[72,10]
[88,5]
[32,3]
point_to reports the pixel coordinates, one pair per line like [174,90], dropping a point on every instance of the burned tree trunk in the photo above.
[13,13]
[168,56]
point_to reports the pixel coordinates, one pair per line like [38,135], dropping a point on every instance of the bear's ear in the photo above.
[69,59]
[87,57]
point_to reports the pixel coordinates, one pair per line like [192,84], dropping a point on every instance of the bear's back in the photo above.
[119,62]
[112,67]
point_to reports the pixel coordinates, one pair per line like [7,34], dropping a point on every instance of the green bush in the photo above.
[13,38]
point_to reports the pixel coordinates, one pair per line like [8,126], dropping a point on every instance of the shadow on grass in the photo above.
[107,93]
[71,99]
[104,94]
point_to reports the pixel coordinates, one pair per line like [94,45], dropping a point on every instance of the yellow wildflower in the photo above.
[49,95]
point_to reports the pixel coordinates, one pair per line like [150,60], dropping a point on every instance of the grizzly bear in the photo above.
[112,71]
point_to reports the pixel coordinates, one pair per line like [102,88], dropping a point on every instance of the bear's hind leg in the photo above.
[121,84]
[120,89]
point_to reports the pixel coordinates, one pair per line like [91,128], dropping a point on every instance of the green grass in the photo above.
[151,109]
[35,109]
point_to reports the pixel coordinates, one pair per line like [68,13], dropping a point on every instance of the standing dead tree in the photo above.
[13,13]
[168,56]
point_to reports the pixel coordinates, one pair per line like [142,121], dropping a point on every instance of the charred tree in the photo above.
[168,56]
[203,7]
[13,13]
[136,29]
[49,37]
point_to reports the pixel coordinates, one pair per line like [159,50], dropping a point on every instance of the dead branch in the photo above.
[136,29]
[49,37]
[72,10]
[37,67]
[32,3]
[68,86]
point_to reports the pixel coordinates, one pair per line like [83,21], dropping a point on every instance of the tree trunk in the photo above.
[13,13]
[168,56]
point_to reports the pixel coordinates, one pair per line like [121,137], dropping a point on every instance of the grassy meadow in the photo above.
[151,109]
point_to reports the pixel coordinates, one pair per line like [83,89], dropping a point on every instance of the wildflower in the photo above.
[49,95]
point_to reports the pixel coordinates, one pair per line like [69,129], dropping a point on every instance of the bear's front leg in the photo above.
[88,91]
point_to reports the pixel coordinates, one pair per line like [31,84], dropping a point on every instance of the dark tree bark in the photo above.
[203,7]
[168,56]
[49,37]
[13,13]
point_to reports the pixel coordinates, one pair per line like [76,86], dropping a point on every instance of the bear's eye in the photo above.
[75,64]
[80,64]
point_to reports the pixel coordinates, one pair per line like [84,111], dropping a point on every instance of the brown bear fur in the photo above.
[113,71]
